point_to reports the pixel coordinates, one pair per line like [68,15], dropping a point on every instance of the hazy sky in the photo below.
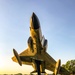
[57,19]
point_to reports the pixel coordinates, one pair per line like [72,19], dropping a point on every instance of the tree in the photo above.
[70,66]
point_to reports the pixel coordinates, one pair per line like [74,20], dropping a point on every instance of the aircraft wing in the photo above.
[25,57]
[54,66]
[61,71]
[49,61]
[26,53]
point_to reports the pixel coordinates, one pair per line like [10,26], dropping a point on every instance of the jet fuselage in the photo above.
[36,54]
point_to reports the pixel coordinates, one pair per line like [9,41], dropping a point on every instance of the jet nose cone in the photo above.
[33,14]
[34,22]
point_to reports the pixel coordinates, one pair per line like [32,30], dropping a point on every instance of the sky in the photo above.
[57,20]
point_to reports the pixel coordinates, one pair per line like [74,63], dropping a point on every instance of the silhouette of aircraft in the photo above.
[36,54]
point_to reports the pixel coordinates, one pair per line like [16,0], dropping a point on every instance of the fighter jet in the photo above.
[36,53]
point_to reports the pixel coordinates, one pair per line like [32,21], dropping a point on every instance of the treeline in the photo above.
[70,66]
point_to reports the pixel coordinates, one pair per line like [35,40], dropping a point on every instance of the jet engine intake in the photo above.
[45,44]
[30,44]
